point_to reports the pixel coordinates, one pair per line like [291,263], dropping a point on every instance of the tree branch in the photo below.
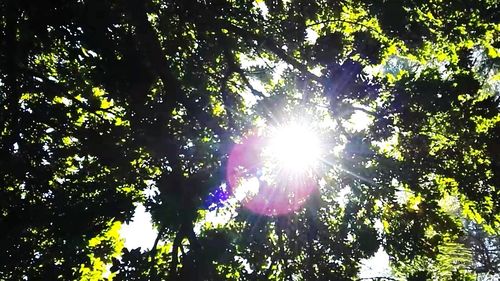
[378,278]
[344,21]
[154,250]
[148,40]
[175,251]
[271,46]
[369,112]
[234,67]
[11,50]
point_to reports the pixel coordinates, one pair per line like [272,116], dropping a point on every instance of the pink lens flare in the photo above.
[285,194]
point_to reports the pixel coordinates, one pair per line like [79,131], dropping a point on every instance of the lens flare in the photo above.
[273,173]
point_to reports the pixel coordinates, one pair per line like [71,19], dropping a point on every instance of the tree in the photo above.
[102,100]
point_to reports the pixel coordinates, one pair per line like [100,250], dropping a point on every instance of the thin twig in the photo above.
[378,278]
[271,46]
[154,250]
[344,21]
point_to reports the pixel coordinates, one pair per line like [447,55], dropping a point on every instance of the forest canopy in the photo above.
[317,132]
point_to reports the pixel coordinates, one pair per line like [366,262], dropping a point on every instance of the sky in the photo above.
[140,233]
[376,266]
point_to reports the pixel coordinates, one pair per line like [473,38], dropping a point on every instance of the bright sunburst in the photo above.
[294,147]
[274,171]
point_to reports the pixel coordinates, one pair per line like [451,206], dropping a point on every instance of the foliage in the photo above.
[102,100]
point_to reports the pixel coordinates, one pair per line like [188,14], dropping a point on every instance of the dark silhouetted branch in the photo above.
[344,21]
[273,47]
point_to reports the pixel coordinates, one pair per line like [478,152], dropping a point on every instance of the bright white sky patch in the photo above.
[261,5]
[139,232]
[359,121]
[342,196]
[376,266]
[218,218]
[311,36]
[248,187]
[317,71]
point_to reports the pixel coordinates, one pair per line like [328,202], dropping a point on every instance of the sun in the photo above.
[274,172]
[294,147]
